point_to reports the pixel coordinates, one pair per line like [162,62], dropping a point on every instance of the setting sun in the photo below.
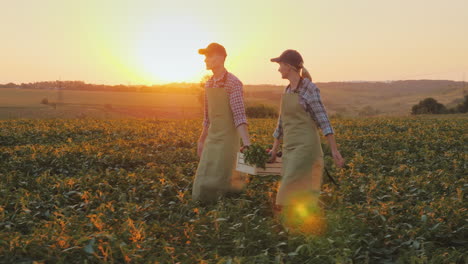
[166,50]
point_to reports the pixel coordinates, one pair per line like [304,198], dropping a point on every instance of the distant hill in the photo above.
[186,88]
[184,99]
[387,98]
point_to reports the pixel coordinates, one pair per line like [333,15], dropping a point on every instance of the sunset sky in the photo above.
[154,41]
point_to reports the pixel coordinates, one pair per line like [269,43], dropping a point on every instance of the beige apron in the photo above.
[303,156]
[302,170]
[216,170]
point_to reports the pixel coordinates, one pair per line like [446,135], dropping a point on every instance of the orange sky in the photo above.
[154,41]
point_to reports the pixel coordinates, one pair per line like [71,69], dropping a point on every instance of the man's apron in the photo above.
[216,170]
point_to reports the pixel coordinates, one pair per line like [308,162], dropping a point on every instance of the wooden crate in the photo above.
[270,168]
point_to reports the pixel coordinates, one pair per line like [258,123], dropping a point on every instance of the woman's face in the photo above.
[213,61]
[284,69]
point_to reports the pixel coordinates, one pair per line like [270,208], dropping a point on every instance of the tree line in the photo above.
[190,88]
[431,106]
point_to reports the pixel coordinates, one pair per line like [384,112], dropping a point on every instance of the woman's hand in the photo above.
[339,161]
[272,156]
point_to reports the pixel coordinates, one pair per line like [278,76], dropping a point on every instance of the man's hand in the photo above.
[245,147]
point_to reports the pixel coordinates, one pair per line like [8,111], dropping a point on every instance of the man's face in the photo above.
[214,61]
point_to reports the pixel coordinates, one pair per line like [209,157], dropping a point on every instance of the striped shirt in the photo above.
[309,98]
[235,92]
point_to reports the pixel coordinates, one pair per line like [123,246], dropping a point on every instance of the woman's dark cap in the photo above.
[291,57]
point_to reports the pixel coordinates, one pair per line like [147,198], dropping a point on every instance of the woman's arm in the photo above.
[317,110]
[274,150]
[278,134]
[339,161]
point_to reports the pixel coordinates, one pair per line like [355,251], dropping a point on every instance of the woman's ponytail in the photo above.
[305,73]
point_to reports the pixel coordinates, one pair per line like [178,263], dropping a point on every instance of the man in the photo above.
[224,121]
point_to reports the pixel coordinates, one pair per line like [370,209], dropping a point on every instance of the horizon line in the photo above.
[260,84]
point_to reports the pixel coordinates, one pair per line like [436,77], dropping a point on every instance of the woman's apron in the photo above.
[303,156]
[302,167]
[216,170]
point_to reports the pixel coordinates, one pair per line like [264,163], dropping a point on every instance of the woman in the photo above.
[224,123]
[302,113]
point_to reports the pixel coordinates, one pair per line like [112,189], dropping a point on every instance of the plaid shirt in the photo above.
[309,98]
[234,89]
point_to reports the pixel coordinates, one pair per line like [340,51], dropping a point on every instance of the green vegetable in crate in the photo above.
[256,155]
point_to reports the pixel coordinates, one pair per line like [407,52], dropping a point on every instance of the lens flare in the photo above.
[304,215]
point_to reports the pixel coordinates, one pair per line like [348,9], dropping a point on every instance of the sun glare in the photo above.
[167,50]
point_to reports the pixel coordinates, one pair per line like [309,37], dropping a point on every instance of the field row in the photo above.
[116,191]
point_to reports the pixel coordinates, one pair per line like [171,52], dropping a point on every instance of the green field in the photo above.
[118,191]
